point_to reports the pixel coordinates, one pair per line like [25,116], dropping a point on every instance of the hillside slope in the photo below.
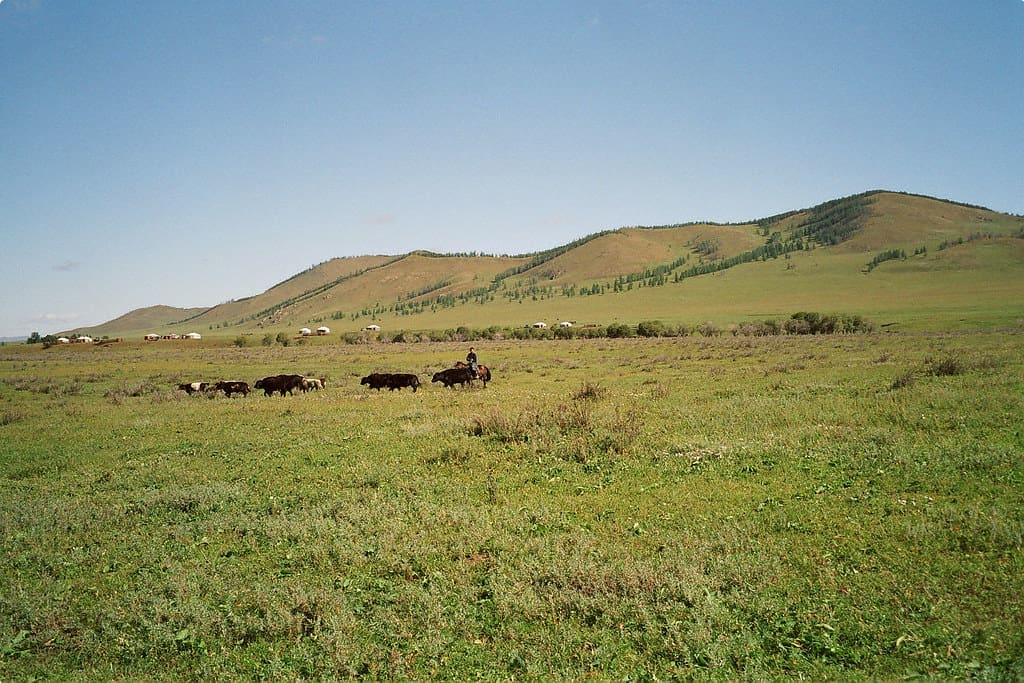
[632,250]
[302,285]
[150,318]
[878,253]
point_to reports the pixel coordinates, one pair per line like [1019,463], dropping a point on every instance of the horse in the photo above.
[483,373]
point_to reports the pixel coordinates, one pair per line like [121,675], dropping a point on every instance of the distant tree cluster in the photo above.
[835,221]
[974,236]
[34,338]
[889,255]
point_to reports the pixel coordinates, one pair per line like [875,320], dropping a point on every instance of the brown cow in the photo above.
[483,373]
[232,388]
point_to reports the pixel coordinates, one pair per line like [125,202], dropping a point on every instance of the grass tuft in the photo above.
[947,366]
[904,380]
[588,391]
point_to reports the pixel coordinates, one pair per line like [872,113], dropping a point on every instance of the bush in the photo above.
[708,329]
[809,322]
[762,328]
[796,326]
[565,333]
[651,328]
[618,331]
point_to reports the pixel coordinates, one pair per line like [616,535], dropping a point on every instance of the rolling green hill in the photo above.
[915,261]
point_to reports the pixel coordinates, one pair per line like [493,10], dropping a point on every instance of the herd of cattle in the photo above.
[289,384]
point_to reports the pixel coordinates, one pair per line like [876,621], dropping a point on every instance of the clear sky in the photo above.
[191,152]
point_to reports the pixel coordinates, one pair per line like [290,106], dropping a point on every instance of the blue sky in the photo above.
[188,153]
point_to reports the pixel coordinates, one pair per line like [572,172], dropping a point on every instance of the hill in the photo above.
[923,262]
[149,318]
[304,285]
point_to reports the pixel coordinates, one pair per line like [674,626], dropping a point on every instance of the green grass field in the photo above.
[723,507]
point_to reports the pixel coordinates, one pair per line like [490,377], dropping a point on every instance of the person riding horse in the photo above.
[471,359]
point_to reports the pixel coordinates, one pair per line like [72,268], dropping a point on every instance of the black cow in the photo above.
[400,379]
[280,383]
[232,388]
[453,376]
[391,380]
[376,380]
[192,387]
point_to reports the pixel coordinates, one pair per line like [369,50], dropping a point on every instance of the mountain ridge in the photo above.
[427,287]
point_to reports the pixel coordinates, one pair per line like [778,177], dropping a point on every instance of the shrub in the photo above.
[565,333]
[618,331]
[651,328]
[708,329]
[809,322]
[762,328]
[796,326]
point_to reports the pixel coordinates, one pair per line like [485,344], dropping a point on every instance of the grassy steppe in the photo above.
[722,507]
[978,285]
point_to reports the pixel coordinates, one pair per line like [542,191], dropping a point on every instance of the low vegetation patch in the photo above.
[133,390]
[10,416]
[904,380]
[946,366]
[588,391]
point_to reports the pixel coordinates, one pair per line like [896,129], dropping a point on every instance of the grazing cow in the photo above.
[483,373]
[376,380]
[453,376]
[401,379]
[192,387]
[312,384]
[232,388]
[280,383]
